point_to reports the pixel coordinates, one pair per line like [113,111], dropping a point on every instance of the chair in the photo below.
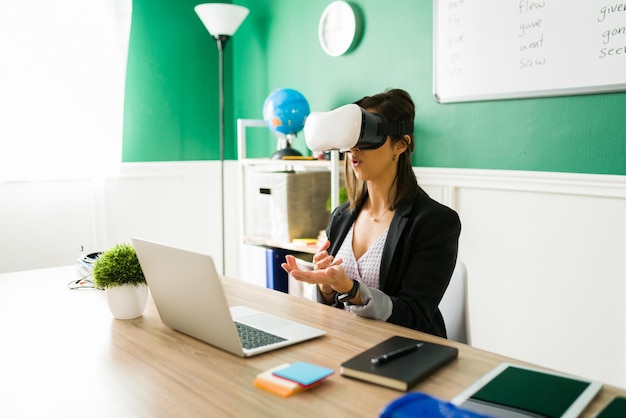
[453,305]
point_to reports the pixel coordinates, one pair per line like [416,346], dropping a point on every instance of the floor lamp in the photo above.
[222,21]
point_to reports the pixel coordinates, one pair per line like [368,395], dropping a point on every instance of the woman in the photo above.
[391,249]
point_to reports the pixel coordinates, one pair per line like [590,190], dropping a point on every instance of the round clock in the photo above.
[338,29]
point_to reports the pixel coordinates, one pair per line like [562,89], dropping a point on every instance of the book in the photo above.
[288,379]
[519,391]
[403,372]
[275,277]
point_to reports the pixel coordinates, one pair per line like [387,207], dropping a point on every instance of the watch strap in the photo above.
[345,297]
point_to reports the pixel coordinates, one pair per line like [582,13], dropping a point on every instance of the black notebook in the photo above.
[403,372]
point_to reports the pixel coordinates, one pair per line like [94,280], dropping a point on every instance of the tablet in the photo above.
[615,409]
[510,391]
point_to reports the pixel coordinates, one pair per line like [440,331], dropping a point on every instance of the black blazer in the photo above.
[417,261]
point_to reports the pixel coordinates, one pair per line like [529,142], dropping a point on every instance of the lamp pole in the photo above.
[221,43]
[221,20]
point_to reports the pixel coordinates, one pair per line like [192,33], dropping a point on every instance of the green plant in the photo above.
[343,197]
[118,266]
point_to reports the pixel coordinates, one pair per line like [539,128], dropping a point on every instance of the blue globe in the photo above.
[285,110]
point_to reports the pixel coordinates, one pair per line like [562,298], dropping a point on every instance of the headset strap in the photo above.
[399,128]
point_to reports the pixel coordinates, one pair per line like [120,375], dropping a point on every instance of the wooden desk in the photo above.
[63,354]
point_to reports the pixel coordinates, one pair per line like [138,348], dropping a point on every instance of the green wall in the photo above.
[171,106]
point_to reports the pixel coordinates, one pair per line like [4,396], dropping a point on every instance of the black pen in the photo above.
[383,358]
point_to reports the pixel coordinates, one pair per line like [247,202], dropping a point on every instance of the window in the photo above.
[62,87]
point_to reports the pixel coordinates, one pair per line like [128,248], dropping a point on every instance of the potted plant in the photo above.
[119,273]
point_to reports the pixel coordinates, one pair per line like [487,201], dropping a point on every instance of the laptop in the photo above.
[189,297]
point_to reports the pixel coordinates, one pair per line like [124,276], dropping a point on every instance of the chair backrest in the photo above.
[453,305]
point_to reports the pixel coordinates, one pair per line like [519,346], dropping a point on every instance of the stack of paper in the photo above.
[288,379]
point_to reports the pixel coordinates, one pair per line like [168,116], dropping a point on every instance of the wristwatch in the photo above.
[345,297]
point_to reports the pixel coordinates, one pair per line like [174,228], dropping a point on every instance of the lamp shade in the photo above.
[221,18]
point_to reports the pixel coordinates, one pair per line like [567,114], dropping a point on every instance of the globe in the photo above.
[284,111]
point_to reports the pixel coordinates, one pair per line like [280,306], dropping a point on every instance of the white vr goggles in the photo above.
[350,126]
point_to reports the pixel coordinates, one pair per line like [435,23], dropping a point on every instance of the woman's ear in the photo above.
[402,146]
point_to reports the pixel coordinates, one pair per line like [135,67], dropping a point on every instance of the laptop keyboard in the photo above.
[253,337]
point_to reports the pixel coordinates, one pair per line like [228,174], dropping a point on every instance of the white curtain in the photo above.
[62,73]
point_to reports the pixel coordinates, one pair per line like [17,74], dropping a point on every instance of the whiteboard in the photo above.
[499,49]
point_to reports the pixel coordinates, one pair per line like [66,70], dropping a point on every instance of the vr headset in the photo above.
[350,126]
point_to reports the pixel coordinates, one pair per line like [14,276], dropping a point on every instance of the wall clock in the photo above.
[339,28]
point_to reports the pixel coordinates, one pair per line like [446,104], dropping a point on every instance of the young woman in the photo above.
[391,249]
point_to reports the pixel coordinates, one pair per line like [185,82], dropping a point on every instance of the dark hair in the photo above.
[395,105]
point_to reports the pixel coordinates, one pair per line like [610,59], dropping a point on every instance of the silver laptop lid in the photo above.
[188,294]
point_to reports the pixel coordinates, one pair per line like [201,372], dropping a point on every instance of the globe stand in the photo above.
[284,148]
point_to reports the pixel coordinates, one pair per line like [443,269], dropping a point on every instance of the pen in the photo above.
[383,358]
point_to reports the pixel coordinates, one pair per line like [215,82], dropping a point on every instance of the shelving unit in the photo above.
[249,255]
[267,164]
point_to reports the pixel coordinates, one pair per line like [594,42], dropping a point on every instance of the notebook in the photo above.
[189,297]
[404,371]
[510,391]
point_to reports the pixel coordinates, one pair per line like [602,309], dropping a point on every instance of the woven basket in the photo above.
[286,205]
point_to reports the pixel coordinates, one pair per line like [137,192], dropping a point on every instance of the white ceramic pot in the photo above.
[127,301]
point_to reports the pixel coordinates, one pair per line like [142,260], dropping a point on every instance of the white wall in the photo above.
[545,251]
[546,256]
[44,223]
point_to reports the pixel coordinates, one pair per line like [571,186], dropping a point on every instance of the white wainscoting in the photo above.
[44,224]
[546,256]
[545,252]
